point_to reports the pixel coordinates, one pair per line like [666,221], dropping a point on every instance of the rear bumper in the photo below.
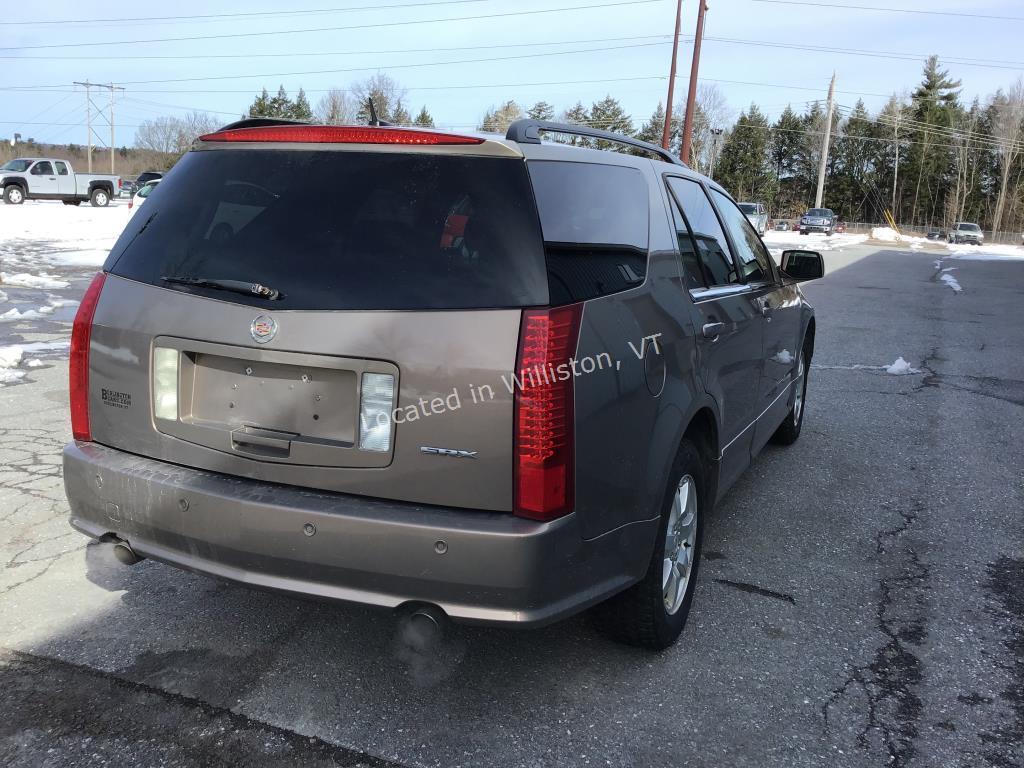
[495,568]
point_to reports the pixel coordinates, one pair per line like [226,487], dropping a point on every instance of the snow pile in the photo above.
[951,281]
[25,280]
[886,234]
[815,241]
[13,315]
[785,357]
[50,233]
[901,368]
[986,252]
[10,357]
[36,363]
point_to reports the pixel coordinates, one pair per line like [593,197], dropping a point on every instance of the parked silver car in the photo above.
[757,215]
[493,377]
[965,232]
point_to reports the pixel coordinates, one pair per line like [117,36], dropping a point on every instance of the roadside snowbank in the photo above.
[778,242]
[48,233]
[985,252]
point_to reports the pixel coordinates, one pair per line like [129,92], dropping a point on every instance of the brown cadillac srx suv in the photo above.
[498,377]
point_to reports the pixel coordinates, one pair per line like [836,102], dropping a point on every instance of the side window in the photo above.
[42,169]
[712,247]
[595,221]
[692,273]
[62,168]
[754,261]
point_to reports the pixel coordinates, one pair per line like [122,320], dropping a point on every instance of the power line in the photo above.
[376,25]
[248,14]
[893,10]
[665,38]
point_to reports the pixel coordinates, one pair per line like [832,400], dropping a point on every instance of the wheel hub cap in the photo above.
[680,540]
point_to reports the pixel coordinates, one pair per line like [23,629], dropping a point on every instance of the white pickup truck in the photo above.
[44,178]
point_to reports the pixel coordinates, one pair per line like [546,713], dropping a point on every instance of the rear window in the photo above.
[969,228]
[595,221]
[748,208]
[335,230]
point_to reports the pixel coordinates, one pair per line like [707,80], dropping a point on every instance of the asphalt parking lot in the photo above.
[861,602]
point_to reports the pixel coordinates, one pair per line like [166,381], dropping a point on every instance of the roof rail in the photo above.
[529,131]
[260,122]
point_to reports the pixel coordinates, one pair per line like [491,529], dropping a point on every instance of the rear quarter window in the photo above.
[595,221]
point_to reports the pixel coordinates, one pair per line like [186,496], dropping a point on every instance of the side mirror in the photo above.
[803,265]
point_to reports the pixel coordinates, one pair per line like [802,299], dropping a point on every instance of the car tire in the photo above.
[789,430]
[14,195]
[99,198]
[653,612]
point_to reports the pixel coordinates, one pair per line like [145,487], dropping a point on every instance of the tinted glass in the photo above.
[62,169]
[42,169]
[712,246]
[750,251]
[595,222]
[748,208]
[343,230]
[819,212]
[692,274]
[18,166]
[970,228]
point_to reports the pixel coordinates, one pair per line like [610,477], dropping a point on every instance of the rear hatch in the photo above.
[357,330]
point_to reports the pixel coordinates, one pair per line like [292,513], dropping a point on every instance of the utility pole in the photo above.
[823,164]
[89,106]
[666,133]
[691,97]
[717,133]
[896,167]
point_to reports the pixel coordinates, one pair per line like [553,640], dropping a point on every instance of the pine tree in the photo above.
[743,166]
[576,115]
[261,106]
[423,119]
[280,105]
[608,115]
[400,115]
[652,130]
[300,109]
[541,111]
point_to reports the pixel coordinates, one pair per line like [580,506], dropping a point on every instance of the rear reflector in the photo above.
[376,397]
[78,363]
[165,383]
[544,425]
[338,134]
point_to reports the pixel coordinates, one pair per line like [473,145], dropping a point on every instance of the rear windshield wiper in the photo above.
[236,286]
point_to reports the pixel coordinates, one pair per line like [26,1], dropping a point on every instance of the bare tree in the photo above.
[498,120]
[711,114]
[336,107]
[174,135]
[1006,130]
[386,93]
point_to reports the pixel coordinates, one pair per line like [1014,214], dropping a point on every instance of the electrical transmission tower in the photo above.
[91,105]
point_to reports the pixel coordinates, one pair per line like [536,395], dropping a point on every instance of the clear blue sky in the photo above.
[783,75]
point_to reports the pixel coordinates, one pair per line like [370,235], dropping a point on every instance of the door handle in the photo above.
[712,330]
[262,442]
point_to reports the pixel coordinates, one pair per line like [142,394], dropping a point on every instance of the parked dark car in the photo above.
[476,376]
[934,233]
[818,220]
[147,176]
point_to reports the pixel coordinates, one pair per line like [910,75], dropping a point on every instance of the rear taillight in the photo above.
[78,363]
[544,426]
[338,134]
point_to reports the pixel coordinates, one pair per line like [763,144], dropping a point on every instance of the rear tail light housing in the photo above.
[338,134]
[78,363]
[376,398]
[544,420]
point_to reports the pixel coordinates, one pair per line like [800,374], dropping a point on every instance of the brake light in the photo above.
[78,363]
[544,424]
[338,134]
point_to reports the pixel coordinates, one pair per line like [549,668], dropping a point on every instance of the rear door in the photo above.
[780,307]
[382,366]
[728,322]
[65,181]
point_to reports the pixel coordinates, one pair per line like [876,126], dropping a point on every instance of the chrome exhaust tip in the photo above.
[424,626]
[125,554]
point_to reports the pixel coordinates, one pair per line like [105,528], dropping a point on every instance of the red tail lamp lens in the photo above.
[545,460]
[78,364]
[338,134]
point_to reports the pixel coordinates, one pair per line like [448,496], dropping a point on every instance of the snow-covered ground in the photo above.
[985,252]
[778,242]
[38,235]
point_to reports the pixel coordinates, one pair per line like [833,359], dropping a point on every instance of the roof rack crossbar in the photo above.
[529,131]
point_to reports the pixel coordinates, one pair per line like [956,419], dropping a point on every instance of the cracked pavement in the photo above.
[861,602]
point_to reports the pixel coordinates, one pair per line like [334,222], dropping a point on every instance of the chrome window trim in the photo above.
[720,291]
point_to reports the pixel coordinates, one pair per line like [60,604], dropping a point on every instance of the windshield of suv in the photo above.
[819,212]
[748,208]
[969,228]
[18,166]
[343,230]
